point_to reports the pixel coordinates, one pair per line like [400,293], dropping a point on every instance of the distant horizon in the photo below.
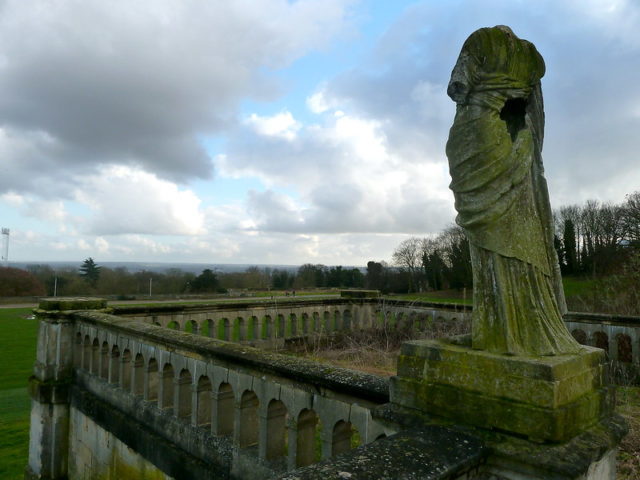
[159,266]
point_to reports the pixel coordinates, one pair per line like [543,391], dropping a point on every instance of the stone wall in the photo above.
[98,453]
[262,410]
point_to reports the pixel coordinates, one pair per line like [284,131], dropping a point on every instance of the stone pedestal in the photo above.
[542,417]
[544,399]
[49,387]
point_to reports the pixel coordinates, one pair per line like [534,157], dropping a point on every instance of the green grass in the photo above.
[574,286]
[17,354]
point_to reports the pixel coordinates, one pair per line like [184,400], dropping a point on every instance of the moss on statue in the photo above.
[494,152]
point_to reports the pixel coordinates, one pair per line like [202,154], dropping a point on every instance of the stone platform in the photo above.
[542,399]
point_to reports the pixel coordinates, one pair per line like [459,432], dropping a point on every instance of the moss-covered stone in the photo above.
[425,453]
[69,303]
[550,381]
[509,456]
[543,398]
[495,161]
[49,392]
[307,371]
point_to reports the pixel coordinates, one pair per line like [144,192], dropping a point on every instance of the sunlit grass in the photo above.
[18,334]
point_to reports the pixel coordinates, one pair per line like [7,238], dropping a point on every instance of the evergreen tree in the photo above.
[90,271]
[206,282]
[570,247]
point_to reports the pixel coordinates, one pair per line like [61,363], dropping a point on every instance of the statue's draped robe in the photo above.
[502,199]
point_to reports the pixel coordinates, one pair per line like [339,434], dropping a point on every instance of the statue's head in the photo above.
[495,59]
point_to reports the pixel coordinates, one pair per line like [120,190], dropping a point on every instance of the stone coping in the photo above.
[53,304]
[281,303]
[602,318]
[427,453]
[228,305]
[289,303]
[564,460]
[359,384]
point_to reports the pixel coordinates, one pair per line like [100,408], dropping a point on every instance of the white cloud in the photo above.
[281,125]
[101,245]
[317,103]
[126,200]
[88,83]
[35,207]
[347,178]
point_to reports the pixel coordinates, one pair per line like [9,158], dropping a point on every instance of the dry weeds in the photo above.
[374,350]
[629,453]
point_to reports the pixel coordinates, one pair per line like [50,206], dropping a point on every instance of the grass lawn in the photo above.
[17,354]
[573,287]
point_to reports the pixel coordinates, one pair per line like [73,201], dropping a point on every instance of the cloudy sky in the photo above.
[273,131]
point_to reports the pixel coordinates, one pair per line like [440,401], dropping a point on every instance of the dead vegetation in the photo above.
[628,405]
[374,350]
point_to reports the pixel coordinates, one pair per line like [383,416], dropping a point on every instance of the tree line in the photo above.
[91,278]
[435,263]
[597,238]
[594,239]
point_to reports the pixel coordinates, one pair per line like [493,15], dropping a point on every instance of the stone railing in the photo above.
[271,323]
[617,335]
[264,412]
[258,322]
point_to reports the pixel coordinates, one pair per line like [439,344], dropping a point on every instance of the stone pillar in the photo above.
[326,439]
[263,434]
[292,437]
[50,385]
[194,404]
[145,383]
[223,412]
[613,344]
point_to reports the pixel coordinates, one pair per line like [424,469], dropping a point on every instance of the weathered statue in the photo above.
[501,196]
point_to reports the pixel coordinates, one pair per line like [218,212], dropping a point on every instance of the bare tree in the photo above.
[631,217]
[407,255]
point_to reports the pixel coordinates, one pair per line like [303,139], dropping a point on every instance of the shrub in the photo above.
[19,283]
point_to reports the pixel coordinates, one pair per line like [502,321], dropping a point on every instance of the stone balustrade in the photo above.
[271,412]
[272,323]
[617,335]
[268,324]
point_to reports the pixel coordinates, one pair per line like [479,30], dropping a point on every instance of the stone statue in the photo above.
[501,196]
